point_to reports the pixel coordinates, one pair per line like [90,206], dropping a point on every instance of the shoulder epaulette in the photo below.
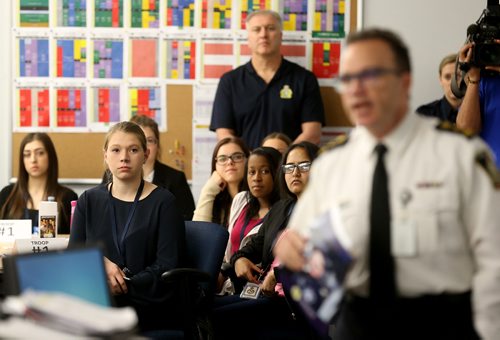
[484,160]
[450,127]
[336,142]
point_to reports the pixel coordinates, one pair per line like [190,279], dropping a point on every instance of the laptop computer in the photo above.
[79,272]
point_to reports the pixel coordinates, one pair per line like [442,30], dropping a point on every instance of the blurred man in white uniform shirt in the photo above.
[443,199]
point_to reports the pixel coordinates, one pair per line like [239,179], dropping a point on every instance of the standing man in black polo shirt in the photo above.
[269,93]
[445,108]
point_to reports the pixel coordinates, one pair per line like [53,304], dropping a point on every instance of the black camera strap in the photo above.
[459,89]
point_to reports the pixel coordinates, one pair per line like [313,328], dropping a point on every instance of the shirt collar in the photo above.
[283,65]
[396,141]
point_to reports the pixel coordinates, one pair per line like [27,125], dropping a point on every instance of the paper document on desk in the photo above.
[71,314]
[318,289]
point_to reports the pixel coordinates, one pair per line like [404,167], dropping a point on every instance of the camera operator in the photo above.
[480,109]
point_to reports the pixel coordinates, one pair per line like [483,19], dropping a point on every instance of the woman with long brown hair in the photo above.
[228,173]
[36,182]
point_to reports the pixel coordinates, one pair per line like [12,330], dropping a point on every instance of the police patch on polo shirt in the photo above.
[286,92]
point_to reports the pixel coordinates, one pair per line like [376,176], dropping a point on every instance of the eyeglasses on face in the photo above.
[290,168]
[236,157]
[367,77]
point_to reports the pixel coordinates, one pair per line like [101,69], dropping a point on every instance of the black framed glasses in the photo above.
[368,77]
[290,168]
[236,157]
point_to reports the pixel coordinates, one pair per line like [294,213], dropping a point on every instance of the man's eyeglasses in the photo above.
[290,168]
[367,77]
[236,157]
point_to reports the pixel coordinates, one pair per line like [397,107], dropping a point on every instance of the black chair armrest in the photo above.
[227,269]
[190,274]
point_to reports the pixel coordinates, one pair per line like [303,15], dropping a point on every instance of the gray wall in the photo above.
[431,28]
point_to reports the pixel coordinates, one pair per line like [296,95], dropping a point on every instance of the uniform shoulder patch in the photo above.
[450,127]
[336,142]
[484,160]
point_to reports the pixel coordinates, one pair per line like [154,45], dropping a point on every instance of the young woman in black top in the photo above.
[36,181]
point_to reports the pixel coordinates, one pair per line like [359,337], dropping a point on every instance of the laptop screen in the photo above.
[78,272]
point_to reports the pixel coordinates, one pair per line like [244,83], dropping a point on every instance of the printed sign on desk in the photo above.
[40,245]
[14,229]
[10,230]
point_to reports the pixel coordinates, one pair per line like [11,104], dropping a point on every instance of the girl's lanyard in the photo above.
[120,246]
[242,231]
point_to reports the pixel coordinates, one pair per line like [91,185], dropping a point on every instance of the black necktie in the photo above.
[382,282]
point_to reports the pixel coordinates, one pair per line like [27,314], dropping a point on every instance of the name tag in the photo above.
[403,237]
[11,230]
[40,245]
[250,291]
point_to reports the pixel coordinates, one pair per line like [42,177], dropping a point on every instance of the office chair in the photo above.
[205,246]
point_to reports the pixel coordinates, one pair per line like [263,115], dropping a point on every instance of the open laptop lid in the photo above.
[77,271]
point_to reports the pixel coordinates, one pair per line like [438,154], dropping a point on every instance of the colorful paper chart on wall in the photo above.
[249,6]
[105,105]
[108,13]
[72,13]
[295,51]
[218,58]
[329,19]
[71,58]
[325,59]
[82,55]
[33,57]
[145,14]
[144,57]
[71,107]
[33,107]
[293,14]
[33,13]
[147,101]
[108,58]
[181,59]
[216,14]
[204,140]
[180,13]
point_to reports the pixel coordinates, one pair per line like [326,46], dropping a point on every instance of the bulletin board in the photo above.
[80,66]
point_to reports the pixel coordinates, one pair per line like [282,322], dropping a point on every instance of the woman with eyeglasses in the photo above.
[271,313]
[228,172]
[159,173]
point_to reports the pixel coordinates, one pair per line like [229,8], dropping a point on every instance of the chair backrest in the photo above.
[205,247]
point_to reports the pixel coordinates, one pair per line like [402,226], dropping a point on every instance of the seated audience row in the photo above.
[138,222]
[271,313]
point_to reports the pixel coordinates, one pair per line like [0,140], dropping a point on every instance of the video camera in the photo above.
[483,34]
[485,52]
